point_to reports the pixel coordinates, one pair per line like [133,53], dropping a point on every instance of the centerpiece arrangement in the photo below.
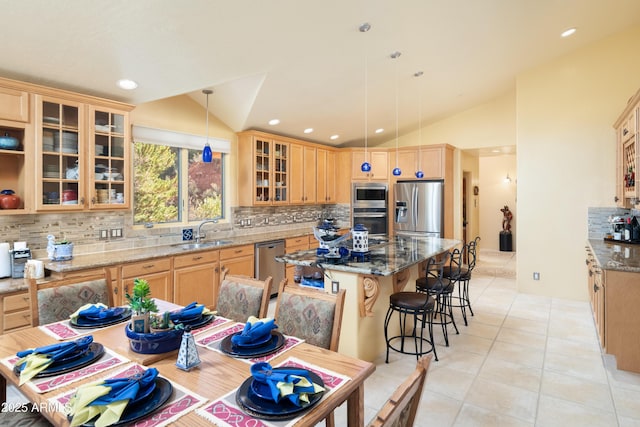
[165,335]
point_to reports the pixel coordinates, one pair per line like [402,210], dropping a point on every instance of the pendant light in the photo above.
[365,166]
[396,171]
[207,154]
[419,173]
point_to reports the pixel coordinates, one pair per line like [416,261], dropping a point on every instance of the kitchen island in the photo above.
[390,266]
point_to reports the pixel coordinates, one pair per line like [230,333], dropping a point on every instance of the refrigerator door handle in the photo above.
[414,198]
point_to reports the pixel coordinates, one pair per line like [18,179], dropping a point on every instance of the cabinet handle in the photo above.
[82,200]
[216,269]
[196,258]
[115,290]
[238,251]
[148,266]
[126,289]
[595,288]
[93,200]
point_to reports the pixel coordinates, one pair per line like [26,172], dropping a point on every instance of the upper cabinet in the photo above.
[326,176]
[432,160]
[303,174]
[627,154]
[379,161]
[14,104]
[264,168]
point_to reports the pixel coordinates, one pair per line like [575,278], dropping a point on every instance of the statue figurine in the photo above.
[506,219]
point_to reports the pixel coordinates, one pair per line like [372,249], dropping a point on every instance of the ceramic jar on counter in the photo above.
[9,200]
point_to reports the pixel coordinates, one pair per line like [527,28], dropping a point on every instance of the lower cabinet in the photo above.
[238,260]
[16,311]
[196,277]
[157,272]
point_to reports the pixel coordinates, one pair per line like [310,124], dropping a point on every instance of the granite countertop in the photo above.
[618,256]
[386,257]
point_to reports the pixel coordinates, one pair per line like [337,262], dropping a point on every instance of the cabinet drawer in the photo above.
[296,241]
[147,267]
[14,105]
[16,302]
[196,258]
[293,249]
[235,252]
[18,319]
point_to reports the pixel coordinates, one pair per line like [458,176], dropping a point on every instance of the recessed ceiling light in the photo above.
[495,151]
[127,84]
[334,136]
[308,130]
[379,130]
[274,122]
[567,33]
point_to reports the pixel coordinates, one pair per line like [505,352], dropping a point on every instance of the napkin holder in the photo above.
[188,354]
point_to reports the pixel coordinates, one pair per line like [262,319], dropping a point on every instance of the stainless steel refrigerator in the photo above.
[419,208]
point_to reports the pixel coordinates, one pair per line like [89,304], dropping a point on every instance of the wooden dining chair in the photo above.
[311,314]
[242,296]
[55,300]
[400,409]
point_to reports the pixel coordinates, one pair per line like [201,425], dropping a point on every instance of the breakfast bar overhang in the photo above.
[388,268]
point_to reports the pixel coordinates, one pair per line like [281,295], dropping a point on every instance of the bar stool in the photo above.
[441,289]
[461,275]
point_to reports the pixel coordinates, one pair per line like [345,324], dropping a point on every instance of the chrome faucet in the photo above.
[201,236]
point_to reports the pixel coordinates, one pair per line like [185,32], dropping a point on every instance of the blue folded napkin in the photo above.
[190,312]
[109,398]
[100,313]
[255,331]
[38,359]
[290,383]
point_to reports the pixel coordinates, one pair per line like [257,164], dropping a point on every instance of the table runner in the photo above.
[225,412]
[212,342]
[180,403]
[108,360]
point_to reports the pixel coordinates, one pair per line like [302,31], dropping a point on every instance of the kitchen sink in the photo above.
[202,245]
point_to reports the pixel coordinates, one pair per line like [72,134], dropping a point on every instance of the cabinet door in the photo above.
[60,154]
[379,165]
[262,166]
[330,177]
[15,174]
[432,162]
[109,163]
[296,184]
[281,168]
[238,260]
[14,105]
[195,283]
[325,176]
[160,284]
[309,169]
[407,162]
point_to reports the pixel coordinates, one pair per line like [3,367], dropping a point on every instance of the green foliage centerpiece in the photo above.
[141,305]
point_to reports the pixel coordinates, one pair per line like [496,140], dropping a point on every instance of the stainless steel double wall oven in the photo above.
[369,202]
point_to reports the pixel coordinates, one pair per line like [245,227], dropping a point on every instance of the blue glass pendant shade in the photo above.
[207,154]
[419,174]
[397,172]
[365,167]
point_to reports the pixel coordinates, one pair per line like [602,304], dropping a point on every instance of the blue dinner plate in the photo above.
[162,392]
[196,322]
[93,353]
[86,323]
[256,406]
[274,344]
[117,311]
[256,343]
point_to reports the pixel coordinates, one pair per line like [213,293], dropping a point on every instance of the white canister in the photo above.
[34,269]
[360,236]
[5,260]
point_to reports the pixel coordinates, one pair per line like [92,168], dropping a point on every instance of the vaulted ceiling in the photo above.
[303,62]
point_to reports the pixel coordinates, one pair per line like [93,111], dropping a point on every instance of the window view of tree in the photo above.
[155,187]
[167,178]
[205,186]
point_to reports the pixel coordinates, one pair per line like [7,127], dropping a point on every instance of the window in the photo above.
[171,184]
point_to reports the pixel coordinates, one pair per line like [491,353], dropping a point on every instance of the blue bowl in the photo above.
[8,142]
[155,343]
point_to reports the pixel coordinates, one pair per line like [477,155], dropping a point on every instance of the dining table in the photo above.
[217,375]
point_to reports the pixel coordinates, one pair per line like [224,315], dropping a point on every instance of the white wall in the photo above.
[494,195]
[566,157]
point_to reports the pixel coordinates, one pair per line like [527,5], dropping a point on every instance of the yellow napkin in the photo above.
[35,363]
[82,412]
[287,388]
[75,314]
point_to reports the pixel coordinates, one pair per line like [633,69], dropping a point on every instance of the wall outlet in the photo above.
[103,234]
[116,233]
[536,275]
[335,286]
[248,222]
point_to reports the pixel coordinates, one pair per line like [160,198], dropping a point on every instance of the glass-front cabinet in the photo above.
[60,143]
[264,173]
[109,159]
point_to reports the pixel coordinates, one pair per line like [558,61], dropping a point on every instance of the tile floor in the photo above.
[524,360]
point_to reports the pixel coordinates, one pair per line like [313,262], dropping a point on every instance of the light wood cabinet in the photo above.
[379,161]
[238,260]
[15,170]
[196,277]
[158,272]
[596,295]
[431,160]
[16,311]
[263,176]
[627,154]
[303,174]
[14,104]
[326,176]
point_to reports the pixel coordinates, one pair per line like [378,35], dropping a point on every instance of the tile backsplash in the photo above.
[85,229]
[598,219]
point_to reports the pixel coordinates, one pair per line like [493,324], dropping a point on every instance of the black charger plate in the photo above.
[274,344]
[267,409]
[84,323]
[93,353]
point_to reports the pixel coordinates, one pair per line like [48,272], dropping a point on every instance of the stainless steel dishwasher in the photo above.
[266,265]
